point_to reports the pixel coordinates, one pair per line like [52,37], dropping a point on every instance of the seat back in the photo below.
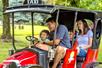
[91,56]
[70,58]
[75,44]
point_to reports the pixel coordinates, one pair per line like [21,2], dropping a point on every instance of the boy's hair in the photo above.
[50,19]
[45,31]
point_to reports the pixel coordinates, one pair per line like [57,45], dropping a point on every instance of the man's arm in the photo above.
[59,36]
[55,42]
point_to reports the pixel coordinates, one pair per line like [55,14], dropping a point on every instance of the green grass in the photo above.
[100,52]
[28,30]
[21,42]
[0,30]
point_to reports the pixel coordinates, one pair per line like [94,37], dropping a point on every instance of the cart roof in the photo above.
[41,8]
[46,9]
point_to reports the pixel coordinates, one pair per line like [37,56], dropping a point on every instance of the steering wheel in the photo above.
[32,39]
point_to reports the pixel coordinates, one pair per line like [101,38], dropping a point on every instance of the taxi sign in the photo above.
[33,2]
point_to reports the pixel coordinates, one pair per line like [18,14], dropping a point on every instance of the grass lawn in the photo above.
[0,30]
[100,52]
[21,42]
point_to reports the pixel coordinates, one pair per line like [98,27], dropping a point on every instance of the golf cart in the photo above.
[34,57]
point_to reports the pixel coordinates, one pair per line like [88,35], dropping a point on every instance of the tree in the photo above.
[0,10]
[75,3]
[87,4]
[6,22]
[91,4]
[71,3]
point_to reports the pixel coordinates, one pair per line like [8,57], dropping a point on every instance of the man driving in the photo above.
[62,41]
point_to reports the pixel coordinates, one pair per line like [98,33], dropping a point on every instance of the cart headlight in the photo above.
[12,64]
[4,66]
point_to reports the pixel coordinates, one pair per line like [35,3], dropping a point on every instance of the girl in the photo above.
[84,38]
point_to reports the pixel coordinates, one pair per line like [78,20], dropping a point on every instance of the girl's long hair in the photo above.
[86,27]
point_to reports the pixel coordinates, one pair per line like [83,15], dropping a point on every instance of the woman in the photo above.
[84,38]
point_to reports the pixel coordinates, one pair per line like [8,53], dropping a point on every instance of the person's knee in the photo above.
[60,49]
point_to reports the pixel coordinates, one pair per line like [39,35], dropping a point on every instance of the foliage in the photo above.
[91,4]
[88,4]
[0,10]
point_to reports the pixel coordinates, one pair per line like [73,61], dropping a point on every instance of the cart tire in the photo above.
[31,66]
[93,65]
[35,66]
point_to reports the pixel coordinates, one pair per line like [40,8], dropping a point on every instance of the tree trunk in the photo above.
[6,22]
[75,3]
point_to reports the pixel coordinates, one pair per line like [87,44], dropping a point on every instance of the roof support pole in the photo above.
[13,38]
[32,21]
[57,17]
[74,29]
